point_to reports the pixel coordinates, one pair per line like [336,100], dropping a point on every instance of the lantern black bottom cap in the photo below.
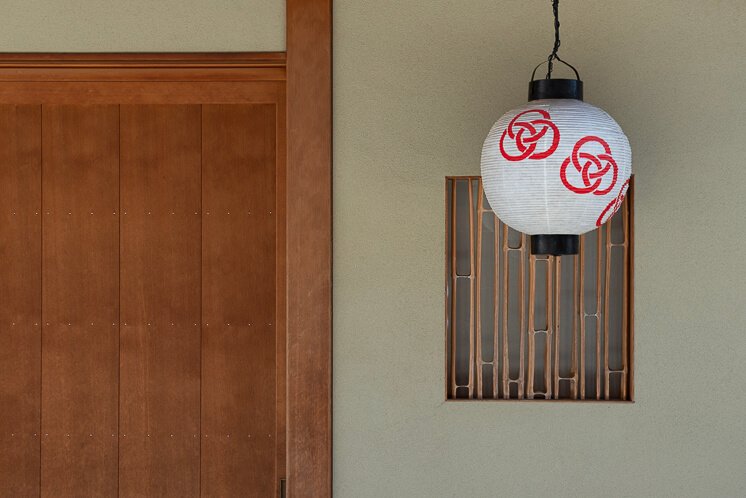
[555,245]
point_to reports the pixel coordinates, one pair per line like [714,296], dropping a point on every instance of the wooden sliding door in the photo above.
[142,323]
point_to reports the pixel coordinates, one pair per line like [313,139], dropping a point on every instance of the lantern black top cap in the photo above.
[549,88]
[555,89]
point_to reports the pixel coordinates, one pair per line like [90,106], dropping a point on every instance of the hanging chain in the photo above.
[553,56]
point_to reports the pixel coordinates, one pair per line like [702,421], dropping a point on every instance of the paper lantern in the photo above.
[555,167]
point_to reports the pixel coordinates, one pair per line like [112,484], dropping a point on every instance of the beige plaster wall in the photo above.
[417,86]
[141,25]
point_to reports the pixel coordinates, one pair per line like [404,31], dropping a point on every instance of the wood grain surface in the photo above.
[309,247]
[160,301]
[80,287]
[238,300]
[20,291]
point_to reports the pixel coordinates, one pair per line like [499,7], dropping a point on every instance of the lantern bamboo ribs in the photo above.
[520,326]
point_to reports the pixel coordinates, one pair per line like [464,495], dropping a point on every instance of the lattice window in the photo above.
[535,327]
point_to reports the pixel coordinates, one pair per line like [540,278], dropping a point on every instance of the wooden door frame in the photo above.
[309,247]
[306,69]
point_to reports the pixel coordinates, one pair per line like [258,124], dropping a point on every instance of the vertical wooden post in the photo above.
[309,247]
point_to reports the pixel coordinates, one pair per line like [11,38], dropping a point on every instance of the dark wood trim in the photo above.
[631,290]
[281,285]
[238,66]
[140,92]
[155,59]
[309,247]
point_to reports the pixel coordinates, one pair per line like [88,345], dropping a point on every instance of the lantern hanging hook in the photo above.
[553,56]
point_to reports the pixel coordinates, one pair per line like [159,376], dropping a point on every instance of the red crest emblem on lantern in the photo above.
[590,173]
[610,210]
[524,134]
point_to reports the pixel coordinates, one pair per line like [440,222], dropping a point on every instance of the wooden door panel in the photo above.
[80,300]
[20,291]
[160,300]
[238,300]
[142,251]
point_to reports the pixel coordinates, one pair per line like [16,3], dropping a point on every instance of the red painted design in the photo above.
[610,210]
[525,133]
[593,171]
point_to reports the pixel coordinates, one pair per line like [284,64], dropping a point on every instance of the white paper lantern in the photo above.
[556,166]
